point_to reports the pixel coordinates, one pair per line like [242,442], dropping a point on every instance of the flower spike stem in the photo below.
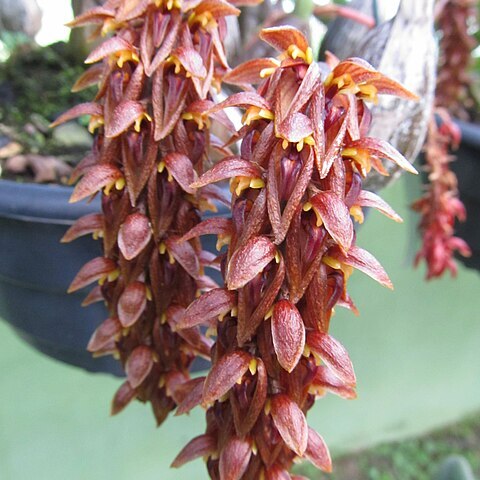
[297,193]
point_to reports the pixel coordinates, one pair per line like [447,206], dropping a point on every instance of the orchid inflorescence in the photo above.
[440,206]
[296,185]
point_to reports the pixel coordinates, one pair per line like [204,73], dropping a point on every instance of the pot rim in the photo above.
[470,133]
[40,203]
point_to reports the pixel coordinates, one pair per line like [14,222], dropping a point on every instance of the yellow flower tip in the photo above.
[252,366]
[139,120]
[96,121]
[316,356]
[307,206]
[234,312]
[148,293]
[257,183]
[162,248]
[256,113]
[300,146]
[109,26]
[285,144]
[239,184]
[369,93]
[222,240]
[205,20]
[309,55]
[254,447]
[161,381]
[112,276]
[277,257]
[268,314]
[357,213]
[295,52]
[171,259]
[267,407]
[124,56]
[163,319]
[328,80]
[211,332]
[266,72]
[120,184]
[161,166]
[332,262]
[306,351]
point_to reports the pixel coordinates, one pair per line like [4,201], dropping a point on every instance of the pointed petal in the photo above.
[109,47]
[107,332]
[370,199]
[201,446]
[333,354]
[92,271]
[87,108]
[124,395]
[282,37]
[224,375]
[248,261]
[290,422]
[288,334]
[234,459]
[210,226]
[96,178]
[335,216]
[85,225]
[228,168]
[185,255]
[89,77]
[242,99]
[249,72]
[207,308]
[132,303]
[193,397]
[134,235]
[181,168]
[139,365]
[335,148]
[365,262]
[326,379]
[317,451]
[295,127]
[124,115]
[382,149]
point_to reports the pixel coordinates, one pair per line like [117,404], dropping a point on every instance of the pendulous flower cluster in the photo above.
[296,193]
[440,206]
[156,72]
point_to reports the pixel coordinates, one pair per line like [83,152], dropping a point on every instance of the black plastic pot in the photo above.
[467,169]
[36,270]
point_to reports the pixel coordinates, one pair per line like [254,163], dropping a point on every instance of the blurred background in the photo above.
[415,350]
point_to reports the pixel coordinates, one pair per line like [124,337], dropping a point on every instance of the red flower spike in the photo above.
[317,451]
[333,354]
[94,270]
[125,394]
[107,332]
[139,365]
[201,446]
[290,422]
[248,261]
[207,307]
[224,375]
[132,303]
[134,235]
[234,458]
[288,334]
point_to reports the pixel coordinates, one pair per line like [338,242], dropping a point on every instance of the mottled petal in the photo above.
[193,397]
[370,199]
[185,255]
[139,364]
[132,303]
[224,375]
[248,261]
[210,226]
[317,451]
[124,395]
[134,235]
[85,225]
[290,422]
[208,307]
[107,332]
[249,72]
[92,271]
[96,178]
[283,37]
[124,115]
[234,458]
[333,354]
[87,108]
[201,446]
[181,169]
[288,334]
